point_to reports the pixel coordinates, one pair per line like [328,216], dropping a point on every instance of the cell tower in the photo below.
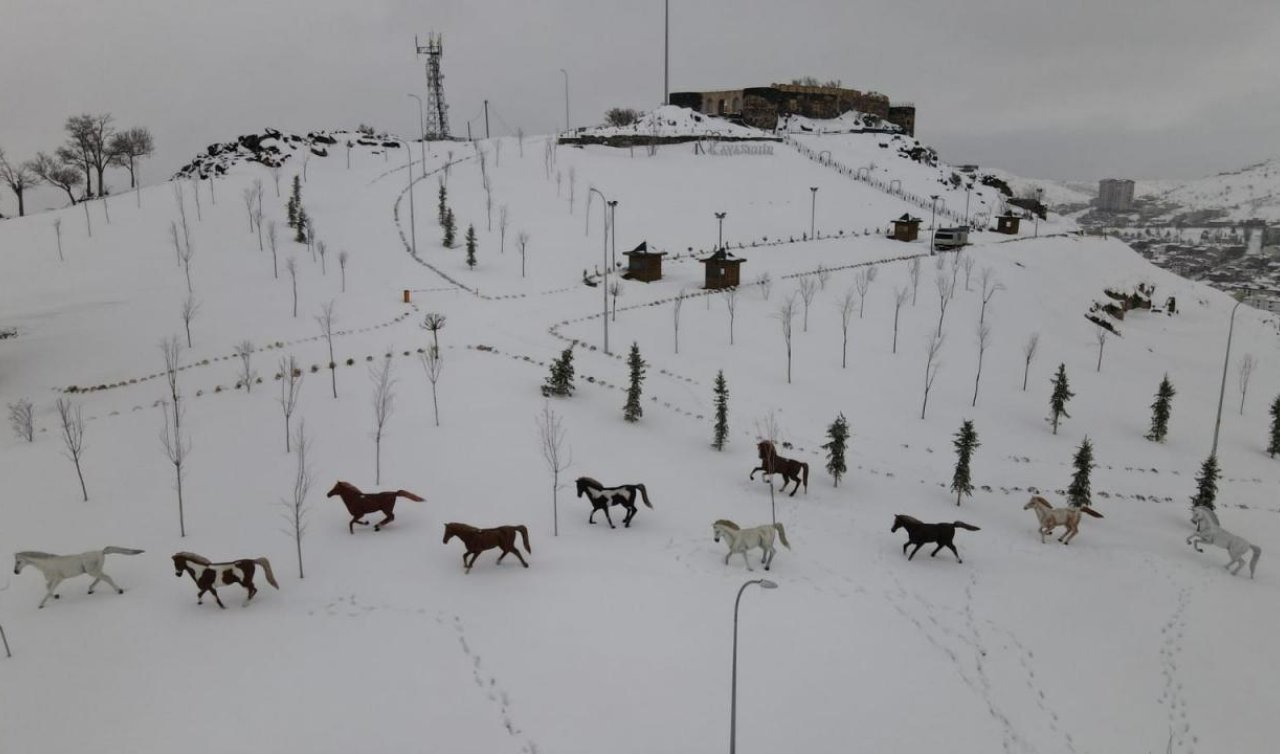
[437,110]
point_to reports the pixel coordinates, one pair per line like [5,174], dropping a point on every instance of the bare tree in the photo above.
[945,289]
[955,272]
[177,242]
[1028,354]
[275,176]
[342,265]
[250,205]
[1247,364]
[257,221]
[244,352]
[730,296]
[180,197]
[765,281]
[326,321]
[57,229]
[176,446]
[967,262]
[88,145]
[383,406]
[846,314]
[522,240]
[990,286]
[488,204]
[22,419]
[677,304]
[931,366]
[432,364]
[54,173]
[272,240]
[18,178]
[88,223]
[295,507]
[573,181]
[862,281]
[808,289]
[551,436]
[433,323]
[188,252]
[195,191]
[984,340]
[290,389]
[899,298]
[322,249]
[615,292]
[190,307]
[504,220]
[786,315]
[1100,334]
[291,267]
[127,147]
[913,270]
[72,422]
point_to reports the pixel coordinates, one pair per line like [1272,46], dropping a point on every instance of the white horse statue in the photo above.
[1051,518]
[57,568]
[740,540]
[1208,532]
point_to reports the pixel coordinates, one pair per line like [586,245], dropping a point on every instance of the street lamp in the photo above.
[422,136]
[968,187]
[933,231]
[613,233]
[720,232]
[1038,210]
[733,699]
[604,281]
[413,227]
[813,207]
[566,98]
[1226,360]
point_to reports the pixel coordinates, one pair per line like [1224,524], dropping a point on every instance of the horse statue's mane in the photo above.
[202,560]
[905,517]
[590,481]
[766,448]
[1037,500]
[455,525]
[727,524]
[341,485]
[33,554]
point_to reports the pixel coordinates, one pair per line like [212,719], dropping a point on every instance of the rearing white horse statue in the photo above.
[58,568]
[1208,532]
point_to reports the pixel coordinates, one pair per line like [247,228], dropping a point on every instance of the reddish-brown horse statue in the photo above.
[359,504]
[479,540]
[790,469]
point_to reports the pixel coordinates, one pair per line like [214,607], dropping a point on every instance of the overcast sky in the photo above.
[1073,90]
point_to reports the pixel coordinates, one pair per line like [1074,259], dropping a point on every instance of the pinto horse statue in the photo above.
[920,534]
[479,540]
[58,568]
[360,504]
[209,575]
[740,540]
[1051,518]
[602,497]
[790,469]
[1208,532]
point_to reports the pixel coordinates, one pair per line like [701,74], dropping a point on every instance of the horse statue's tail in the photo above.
[266,569]
[1090,511]
[782,535]
[408,494]
[804,470]
[644,495]
[963,525]
[1257,553]
[120,551]
[524,534]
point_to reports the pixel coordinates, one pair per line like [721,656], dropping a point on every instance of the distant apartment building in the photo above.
[1115,194]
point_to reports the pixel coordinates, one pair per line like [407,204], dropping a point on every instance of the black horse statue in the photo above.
[920,533]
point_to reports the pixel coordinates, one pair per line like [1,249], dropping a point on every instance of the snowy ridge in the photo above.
[1247,193]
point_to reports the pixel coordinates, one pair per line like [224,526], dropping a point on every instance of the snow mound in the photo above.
[670,120]
[273,148]
[849,122]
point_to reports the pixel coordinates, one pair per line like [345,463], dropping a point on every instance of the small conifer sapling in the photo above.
[966,441]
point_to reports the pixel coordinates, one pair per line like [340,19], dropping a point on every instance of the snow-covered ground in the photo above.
[1250,192]
[620,640]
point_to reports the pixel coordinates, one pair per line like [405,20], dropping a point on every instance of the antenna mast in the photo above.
[437,110]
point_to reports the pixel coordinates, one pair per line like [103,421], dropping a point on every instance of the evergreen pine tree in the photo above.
[560,381]
[1273,446]
[1160,411]
[838,433]
[966,442]
[1061,394]
[442,207]
[449,229]
[295,202]
[633,410]
[471,246]
[722,412]
[301,220]
[1079,493]
[1207,483]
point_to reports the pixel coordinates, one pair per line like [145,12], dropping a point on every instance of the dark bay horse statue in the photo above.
[209,575]
[920,533]
[602,497]
[359,504]
[790,469]
[479,540]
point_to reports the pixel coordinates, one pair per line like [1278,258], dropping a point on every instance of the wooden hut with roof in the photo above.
[722,270]
[642,264]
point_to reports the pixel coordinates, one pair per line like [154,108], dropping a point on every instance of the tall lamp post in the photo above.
[1222,391]
[566,98]
[933,212]
[613,233]
[720,232]
[968,187]
[413,227]
[422,135]
[733,699]
[604,280]
[813,207]
[1038,210]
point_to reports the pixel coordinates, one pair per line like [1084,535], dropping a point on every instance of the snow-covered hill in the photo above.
[1248,193]
[620,640]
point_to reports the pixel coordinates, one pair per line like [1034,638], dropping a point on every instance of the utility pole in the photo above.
[666,52]
[933,213]
[486,120]
[566,99]
[613,233]
[813,209]
[469,131]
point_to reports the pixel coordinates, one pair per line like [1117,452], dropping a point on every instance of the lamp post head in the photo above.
[814,189]
[767,584]
[720,215]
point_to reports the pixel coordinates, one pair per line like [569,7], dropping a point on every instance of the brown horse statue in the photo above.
[479,540]
[790,469]
[209,575]
[359,504]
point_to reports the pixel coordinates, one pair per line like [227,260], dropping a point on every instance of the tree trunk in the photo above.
[22,209]
[297,540]
[377,458]
[1025,371]
[83,491]
[287,448]
[182,523]
[435,404]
